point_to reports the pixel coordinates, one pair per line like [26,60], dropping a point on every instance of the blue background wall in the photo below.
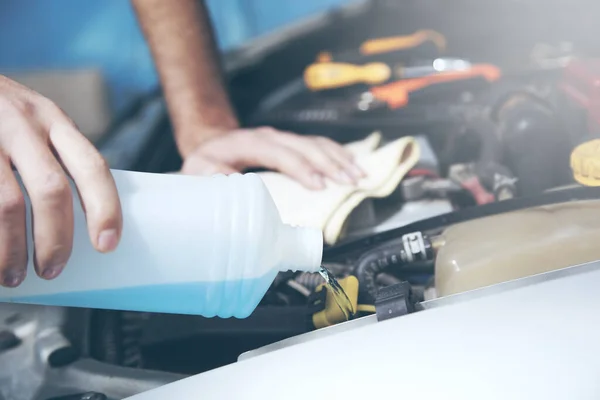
[49,34]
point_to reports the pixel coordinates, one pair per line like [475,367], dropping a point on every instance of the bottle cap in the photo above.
[585,163]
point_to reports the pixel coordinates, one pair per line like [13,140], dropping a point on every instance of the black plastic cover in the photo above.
[394,301]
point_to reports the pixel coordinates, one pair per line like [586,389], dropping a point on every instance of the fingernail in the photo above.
[107,240]
[52,272]
[13,277]
[318,181]
[343,177]
[357,171]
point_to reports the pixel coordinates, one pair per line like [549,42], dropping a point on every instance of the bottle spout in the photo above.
[301,249]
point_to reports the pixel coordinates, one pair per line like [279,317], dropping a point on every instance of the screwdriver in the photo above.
[395,43]
[390,44]
[396,94]
[331,75]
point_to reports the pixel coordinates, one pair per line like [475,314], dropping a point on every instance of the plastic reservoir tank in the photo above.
[503,247]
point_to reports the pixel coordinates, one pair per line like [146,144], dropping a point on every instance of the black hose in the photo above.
[536,146]
[409,249]
[309,280]
[115,337]
[384,279]
[312,280]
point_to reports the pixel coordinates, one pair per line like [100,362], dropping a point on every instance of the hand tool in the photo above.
[396,94]
[332,75]
[389,44]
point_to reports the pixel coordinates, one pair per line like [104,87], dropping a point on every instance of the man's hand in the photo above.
[39,140]
[206,129]
[308,159]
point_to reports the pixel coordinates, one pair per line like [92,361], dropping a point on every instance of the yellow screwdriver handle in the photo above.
[384,45]
[331,75]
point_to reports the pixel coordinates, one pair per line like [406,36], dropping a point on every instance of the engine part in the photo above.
[413,188]
[484,176]
[535,145]
[411,248]
[310,281]
[497,179]
[34,366]
[115,337]
[353,250]
[508,246]
[82,396]
[54,349]
[394,301]
[552,55]
[585,163]
[466,176]
[581,87]
[375,216]
[418,187]
[416,199]
[325,311]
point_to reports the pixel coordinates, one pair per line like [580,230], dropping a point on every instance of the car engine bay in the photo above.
[492,199]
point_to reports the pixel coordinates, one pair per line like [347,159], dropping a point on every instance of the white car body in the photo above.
[533,338]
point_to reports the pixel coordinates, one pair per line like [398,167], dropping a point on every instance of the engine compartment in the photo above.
[488,148]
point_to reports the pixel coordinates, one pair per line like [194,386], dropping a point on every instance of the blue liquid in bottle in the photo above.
[223,298]
[190,245]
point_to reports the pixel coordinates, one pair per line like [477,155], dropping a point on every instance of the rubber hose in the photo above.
[312,280]
[116,337]
[309,280]
[373,263]
[384,279]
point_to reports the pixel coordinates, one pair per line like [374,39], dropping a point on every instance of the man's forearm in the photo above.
[182,43]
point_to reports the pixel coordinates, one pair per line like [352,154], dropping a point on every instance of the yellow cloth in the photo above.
[329,209]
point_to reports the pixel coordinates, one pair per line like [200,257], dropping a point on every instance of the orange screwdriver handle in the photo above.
[396,94]
[394,43]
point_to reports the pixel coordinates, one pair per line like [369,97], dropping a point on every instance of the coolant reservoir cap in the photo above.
[585,163]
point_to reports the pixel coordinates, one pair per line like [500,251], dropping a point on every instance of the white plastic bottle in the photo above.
[190,245]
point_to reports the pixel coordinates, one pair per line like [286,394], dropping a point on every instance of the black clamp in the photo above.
[394,301]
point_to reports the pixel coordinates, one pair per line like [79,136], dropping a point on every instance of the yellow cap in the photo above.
[331,314]
[585,163]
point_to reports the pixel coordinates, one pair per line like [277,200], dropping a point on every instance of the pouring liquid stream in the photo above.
[339,295]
